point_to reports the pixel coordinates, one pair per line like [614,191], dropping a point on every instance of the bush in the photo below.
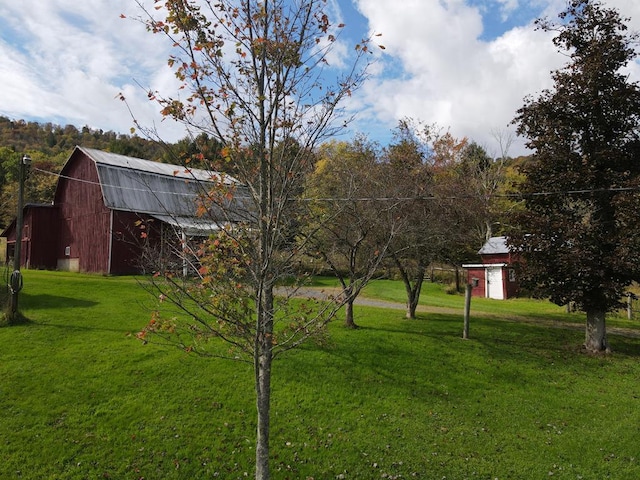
[451,289]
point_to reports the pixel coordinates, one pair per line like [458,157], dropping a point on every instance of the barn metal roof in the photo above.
[138,164]
[495,245]
[191,225]
[168,192]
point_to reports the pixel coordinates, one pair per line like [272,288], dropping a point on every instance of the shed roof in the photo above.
[495,245]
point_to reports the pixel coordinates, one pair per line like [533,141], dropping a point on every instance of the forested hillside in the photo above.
[51,140]
[49,146]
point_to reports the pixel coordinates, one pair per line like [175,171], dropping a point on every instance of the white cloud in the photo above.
[464,64]
[507,7]
[450,76]
[69,60]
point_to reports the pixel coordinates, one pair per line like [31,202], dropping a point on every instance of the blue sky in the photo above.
[465,65]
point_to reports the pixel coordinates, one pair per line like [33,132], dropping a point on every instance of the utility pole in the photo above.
[15,283]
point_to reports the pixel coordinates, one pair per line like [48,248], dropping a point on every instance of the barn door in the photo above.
[495,288]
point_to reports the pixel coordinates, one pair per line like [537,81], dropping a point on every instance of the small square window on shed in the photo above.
[67,251]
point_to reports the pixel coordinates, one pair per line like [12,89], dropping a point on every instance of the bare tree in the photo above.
[256,77]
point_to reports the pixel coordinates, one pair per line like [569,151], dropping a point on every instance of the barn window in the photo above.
[67,251]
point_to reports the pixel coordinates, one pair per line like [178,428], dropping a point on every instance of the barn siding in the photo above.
[496,258]
[42,230]
[126,249]
[478,288]
[39,234]
[511,283]
[91,226]
[85,221]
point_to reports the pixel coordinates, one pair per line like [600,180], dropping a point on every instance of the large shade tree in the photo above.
[256,79]
[578,236]
[419,230]
[460,203]
[40,181]
[349,225]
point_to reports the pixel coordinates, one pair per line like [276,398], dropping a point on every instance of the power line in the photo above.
[120,187]
[516,196]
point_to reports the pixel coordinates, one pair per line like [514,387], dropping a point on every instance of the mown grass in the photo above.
[433,295]
[81,397]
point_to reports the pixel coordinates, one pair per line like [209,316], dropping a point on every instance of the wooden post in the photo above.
[467,309]
[16,276]
[629,306]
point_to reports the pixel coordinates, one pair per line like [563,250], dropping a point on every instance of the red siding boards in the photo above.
[476,278]
[127,244]
[85,221]
[496,258]
[41,228]
[39,234]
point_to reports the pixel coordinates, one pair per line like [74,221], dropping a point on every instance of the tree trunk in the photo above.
[488,230]
[348,320]
[467,311]
[412,305]
[412,290]
[263,400]
[413,294]
[263,358]
[596,332]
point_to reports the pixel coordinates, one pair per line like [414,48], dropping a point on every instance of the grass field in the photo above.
[82,398]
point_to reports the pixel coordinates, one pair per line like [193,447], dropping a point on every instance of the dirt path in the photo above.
[326,293]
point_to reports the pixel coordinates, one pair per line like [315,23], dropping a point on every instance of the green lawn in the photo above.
[82,398]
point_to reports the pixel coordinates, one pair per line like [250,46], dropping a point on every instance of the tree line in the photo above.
[426,198]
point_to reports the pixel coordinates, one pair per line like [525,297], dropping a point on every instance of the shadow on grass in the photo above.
[18,320]
[427,362]
[75,328]
[46,301]
[529,341]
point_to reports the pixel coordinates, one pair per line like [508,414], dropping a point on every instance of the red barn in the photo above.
[39,221]
[494,277]
[101,200]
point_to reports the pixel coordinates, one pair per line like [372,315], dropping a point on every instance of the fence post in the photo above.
[467,309]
